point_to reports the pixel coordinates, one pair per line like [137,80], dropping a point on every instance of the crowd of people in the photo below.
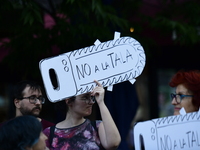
[75,132]
[27,131]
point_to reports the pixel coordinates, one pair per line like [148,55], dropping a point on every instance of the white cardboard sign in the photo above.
[110,62]
[181,132]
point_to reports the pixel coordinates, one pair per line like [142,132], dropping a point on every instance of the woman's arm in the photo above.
[108,132]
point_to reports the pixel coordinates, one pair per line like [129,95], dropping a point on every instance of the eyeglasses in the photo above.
[33,99]
[88,99]
[179,97]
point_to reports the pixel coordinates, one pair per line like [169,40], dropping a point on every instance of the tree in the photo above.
[78,23]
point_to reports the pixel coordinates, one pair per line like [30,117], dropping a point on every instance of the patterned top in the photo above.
[83,136]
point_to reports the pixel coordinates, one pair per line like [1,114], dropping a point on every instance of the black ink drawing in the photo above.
[179,132]
[109,62]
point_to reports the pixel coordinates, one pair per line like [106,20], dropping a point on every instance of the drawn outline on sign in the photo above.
[78,69]
[169,133]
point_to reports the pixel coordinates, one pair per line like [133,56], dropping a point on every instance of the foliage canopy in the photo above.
[78,23]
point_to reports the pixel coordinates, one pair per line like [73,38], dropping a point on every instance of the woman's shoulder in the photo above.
[95,123]
[98,122]
[46,131]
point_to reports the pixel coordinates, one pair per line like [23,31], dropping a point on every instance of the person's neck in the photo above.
[70,122]
[18,113]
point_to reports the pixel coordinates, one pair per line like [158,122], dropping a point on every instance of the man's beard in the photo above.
[25,111]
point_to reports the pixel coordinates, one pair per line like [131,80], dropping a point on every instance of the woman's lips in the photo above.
[177,108]
[176,111]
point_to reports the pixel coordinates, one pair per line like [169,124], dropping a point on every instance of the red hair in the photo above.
[191,80]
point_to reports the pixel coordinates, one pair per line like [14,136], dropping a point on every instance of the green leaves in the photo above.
[179,17]
[31,13]
[78,23]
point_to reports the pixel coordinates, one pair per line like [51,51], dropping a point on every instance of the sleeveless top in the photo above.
[83,137]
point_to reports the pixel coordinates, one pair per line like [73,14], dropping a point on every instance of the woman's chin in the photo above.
[176,113]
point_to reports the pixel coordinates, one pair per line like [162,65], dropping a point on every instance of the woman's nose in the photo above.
[174,101]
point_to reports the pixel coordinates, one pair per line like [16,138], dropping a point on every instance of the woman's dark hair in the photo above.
[191,80]
[61,108]
[20,132]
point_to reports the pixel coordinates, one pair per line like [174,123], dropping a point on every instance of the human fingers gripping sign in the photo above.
[98,92]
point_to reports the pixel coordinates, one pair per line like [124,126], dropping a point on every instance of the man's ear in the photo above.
[17,103]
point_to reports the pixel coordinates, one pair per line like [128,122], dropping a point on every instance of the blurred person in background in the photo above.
[27,98]
[22,133]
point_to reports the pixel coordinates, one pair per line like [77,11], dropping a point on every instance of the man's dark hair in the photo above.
[17,93]
[20,86]
[62,108]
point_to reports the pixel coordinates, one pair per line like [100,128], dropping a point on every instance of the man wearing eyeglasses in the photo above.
[28,100]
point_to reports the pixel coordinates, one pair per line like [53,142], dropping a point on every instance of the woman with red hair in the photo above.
[187,93]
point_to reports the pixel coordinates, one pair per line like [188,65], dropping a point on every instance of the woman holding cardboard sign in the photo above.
[76,132]
[187,94]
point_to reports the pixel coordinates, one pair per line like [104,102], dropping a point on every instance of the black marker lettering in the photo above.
[111,59]
[193,139]
[175,144]
[96,68]
[122,58]
[166,144]
[198,144]
[79,71]
[87,69]
[188,137]
[183,143]
[117,59]
[128,54]
[106,66]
